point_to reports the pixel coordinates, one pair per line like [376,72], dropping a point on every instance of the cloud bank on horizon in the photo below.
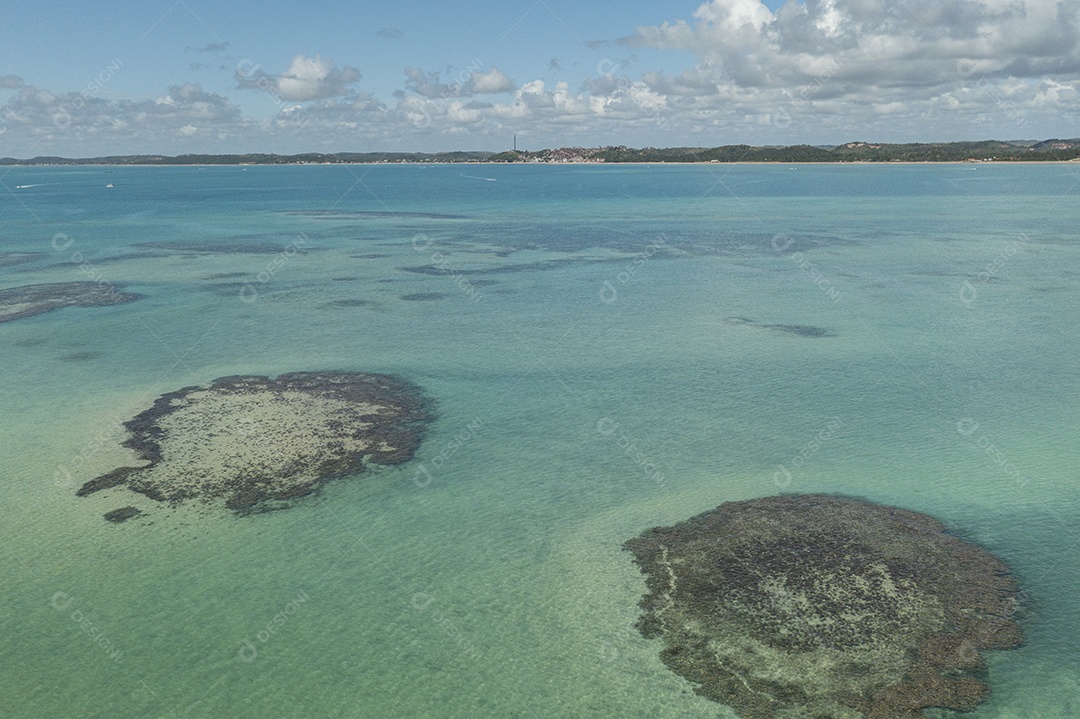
[818,71]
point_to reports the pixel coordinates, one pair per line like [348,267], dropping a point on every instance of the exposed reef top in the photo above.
[253,441]
[816,606]
[28,300]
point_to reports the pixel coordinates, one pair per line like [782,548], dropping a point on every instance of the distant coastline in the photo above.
[851,152]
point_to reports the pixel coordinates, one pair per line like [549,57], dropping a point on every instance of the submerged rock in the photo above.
[425,296]
[18,258]
[222,247]
[248,441]
[816,606]
[797,330]
[122,515]
[28,300]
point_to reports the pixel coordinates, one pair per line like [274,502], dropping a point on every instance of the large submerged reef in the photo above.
[816,606]
[29,300]
[252,442]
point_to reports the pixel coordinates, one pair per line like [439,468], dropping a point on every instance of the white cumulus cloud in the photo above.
[917,43]
[308,78]
[492,81]
[817,71]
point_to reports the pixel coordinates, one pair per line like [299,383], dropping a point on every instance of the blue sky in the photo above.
[199,76]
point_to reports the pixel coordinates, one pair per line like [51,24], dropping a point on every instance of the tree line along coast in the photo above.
[978,151]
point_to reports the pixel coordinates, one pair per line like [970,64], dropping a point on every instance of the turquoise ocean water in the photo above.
[610,348]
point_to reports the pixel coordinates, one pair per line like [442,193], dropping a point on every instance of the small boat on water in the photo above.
[109,185]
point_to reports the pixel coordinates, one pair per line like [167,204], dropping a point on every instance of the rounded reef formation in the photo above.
[251,441]
[816,606]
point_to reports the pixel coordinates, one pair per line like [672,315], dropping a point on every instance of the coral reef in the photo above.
[818,606]
[250,441]
[28,300]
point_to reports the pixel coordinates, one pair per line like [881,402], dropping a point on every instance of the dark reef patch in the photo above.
[17,258]
[372,215]
[225,248]
[227,289]
[226,275]
[800,330]
[250,441]
[122,515]
[28,300]
[818,606]
[351,303]
[797,330]
[668,237]
[424,296]
[79,356]
[435,269]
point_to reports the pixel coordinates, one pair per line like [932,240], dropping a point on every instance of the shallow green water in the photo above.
[492,584]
